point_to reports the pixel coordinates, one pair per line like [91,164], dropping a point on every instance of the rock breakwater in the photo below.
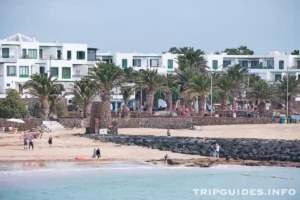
[233,148]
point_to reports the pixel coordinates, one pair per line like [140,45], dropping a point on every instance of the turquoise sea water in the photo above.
[73,181]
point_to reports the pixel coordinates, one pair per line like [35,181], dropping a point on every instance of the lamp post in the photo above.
[287,92]
[211,80]
[49,70]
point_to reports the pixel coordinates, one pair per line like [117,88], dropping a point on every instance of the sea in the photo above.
[143,181]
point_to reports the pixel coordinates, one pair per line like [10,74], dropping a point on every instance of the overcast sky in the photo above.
[152,26]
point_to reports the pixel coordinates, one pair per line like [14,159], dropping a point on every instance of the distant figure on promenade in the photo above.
[168,133]
[31,144]
[50,141]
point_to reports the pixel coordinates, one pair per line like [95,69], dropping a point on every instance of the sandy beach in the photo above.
[66,145]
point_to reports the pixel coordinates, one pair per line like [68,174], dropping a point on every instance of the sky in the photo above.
[153,26]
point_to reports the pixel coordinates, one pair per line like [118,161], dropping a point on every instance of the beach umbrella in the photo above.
[19,121]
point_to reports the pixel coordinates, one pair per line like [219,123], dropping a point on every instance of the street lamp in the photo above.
[49,70]
[211,85]
[287,92]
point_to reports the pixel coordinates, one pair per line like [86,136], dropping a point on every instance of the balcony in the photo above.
[10,59]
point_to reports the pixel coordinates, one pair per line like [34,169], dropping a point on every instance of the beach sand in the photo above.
[262,131]
[66,145]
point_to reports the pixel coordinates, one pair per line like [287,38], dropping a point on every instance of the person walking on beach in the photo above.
[98,154]
[94,155]
[31,144]
[50,141]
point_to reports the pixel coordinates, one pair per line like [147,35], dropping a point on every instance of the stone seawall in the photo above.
[242,148]
[71,122]
[29,123]
[164,123]
[200,121]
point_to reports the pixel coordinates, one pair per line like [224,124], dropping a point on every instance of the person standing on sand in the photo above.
[50,141]
[98,154]
[30,144]
[212,149]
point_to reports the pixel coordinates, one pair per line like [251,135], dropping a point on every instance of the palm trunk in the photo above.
[169,101]
[105,115]
[87,109]
[150,98]
[201,102]
[126,110]
[52,108]
[262,109]
[291,105]
[45,108]
[225,100]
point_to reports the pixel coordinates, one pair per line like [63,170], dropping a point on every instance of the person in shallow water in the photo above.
[25,143]
[94,155]
[98,154]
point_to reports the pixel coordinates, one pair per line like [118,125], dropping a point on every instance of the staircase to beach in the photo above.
[53,125]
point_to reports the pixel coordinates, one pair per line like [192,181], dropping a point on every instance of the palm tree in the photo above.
[295,52]
[152,82]
[293,89]
[169,93]
[197,88]
[127,89]
[55,96]
[237,73]
[86,89]
[107,77]
[225,84]
[192,58]
[262,92]
[41,86]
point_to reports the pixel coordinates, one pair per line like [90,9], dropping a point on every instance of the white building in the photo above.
[21,56]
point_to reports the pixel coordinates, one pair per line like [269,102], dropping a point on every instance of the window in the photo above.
[80,55]
[59,54]
[277,77]
[91,55]
[153,62]
[124,63]
[215,64]
[243,63]
[42,70]
[281,64]
[66,72]
[24,72]
[24,53]
[41,53]
[54,71]
[5,52]
[136,62]
[11,71]
[270,64]
[254,64]
[70,101]
[7,85]
[69,55]
[170,64]
[226,63]
[32,53]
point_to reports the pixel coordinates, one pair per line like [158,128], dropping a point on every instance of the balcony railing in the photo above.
[295,67]
[261,67]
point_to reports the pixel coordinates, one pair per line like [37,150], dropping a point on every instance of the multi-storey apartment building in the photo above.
[271,67]
[22,56]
